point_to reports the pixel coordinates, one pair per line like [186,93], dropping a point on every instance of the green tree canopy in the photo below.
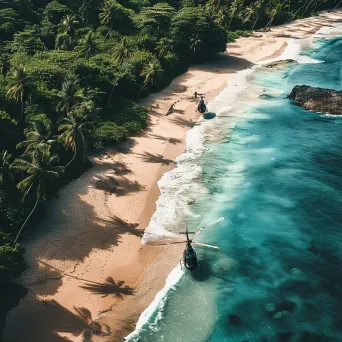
[55,12]
[193,28]
[27,41]
[157,17]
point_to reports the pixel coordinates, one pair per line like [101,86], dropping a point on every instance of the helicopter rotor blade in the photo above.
[163,242]
[205,245]
[157,244]
[173,243]
[198,233]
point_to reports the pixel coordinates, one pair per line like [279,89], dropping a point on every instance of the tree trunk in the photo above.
[110,96]
[23,225]
[270,23]
[84,153]
[256,20]
[338,4]
[22,111]
[73,158]
[110,29]
[141,90]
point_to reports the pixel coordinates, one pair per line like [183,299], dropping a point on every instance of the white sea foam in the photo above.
[157,304]
[179,187]
[329,32]
[333,115]
[293,51]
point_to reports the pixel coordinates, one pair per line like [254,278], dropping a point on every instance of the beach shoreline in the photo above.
[92,234]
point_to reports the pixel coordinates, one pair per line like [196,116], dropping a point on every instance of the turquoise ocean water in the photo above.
[267,184]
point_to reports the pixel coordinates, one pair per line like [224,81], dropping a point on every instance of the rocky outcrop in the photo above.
[234,319]
[279,63]
[327,101]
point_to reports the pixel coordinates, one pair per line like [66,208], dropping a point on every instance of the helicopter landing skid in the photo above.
[181,263]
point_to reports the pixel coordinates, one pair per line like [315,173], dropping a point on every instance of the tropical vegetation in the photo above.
[72,71]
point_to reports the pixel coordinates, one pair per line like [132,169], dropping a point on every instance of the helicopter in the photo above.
[202,108]
[190,260]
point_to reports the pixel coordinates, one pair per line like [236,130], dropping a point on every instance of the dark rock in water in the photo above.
[303,337]
[285,336]
[327,101]
[312,337]
[286,305]
[266,96]
[234,319]
[313,249]
[279,63]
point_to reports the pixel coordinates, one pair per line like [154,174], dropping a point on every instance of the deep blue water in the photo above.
[274,206]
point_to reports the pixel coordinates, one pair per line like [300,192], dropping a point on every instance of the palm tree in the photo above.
[163,47]
[274,12]
[69,95]
[76,128]
[67,25]
[195,44]
[249,12]
[222,18]
[253,12]
[88,46]
[41,172]
[5,170]
[122,51]
[19,87]
[107,14]
[234,7]
[216,5]
[87,111]
[150,72]
[66,32]
[38,132]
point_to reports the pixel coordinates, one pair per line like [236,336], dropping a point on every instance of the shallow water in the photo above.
[269,191]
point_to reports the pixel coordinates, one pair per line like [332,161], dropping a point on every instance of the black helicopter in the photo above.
[202,108]
[190,260]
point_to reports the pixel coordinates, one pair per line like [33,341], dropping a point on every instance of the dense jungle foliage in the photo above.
[71,72]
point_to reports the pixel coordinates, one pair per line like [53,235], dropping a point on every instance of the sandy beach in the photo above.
[88,272]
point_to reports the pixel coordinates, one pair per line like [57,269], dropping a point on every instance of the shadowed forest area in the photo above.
[71,75]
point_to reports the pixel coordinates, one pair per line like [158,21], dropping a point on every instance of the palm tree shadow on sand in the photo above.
[183,122]
[172,141]
[109,287]
[91,327]
[122,227]
[148,157]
